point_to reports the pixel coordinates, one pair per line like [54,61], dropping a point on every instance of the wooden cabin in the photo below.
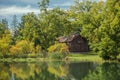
[75,42]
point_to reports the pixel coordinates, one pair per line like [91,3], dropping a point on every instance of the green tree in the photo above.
[5,39]
[54,24]
[109,45]
[102,30]
[80,14]
[43,4]
[29,28]
[45,28]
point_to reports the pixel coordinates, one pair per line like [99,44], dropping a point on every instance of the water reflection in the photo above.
[106,71]
[59,71]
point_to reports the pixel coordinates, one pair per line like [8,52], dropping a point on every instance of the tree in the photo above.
[29,28]
[5,38]
[14,23]
[102,30]
[15,29]
[54,23]
[45,28]
[109,45]
[5,22]
[43,5]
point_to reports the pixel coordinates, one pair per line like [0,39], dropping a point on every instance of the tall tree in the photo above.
[102,31]
[5,38]
[109,31]
[43,4]
[14,23]
[5,22]
[29,28]
[15,29]
[80,14]
[54,24]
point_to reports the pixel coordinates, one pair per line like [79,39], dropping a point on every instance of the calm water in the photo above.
[59,71]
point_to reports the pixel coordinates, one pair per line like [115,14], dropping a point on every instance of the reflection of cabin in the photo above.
[75,42]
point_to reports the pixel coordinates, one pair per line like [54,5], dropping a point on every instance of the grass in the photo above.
[21,59]
[71,57]
[84,57]
[28,59]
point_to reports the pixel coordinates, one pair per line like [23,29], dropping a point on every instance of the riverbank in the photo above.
[76,57]
[70,57]
[85,57]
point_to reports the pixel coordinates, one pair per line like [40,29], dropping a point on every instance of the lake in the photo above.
[59,70]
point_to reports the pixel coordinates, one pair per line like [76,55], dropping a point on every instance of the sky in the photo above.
[8,8]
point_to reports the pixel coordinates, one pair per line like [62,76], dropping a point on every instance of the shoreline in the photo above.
[69,58]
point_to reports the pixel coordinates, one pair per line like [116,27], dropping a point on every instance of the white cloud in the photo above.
[103,0]
[67,4]
[17,10]
[64,4]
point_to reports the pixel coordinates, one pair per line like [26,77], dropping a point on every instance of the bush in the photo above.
[58,51]
[38,49]
[59,47]
[22,47]
[4,44]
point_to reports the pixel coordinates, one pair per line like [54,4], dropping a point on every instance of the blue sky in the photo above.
[8,8]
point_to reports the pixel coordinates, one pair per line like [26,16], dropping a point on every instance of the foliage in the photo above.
[5,45]
[109,45]
[14,29]
[22,47]
[56,55]
[29,29]
[98,21]
[58,47]
[43,4]
[38,49]
[58,51]
[5,39]
[102,28]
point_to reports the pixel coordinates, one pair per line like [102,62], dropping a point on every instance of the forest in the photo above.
[35,34]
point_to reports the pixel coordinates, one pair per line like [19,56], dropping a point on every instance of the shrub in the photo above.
[38,49]
[22,47]
[59,47]
[58,51]
[4,44]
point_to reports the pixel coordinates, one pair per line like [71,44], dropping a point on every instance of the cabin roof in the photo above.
[68,38]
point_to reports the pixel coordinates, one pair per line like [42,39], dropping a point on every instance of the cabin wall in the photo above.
[78,45]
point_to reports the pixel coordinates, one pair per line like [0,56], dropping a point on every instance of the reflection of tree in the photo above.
[80,70]
[41,71]
[44,74]
[60,69]
[107,71]
[22,71]
[4,72]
